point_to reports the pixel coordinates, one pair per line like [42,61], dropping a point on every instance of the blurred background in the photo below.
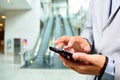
[28,28]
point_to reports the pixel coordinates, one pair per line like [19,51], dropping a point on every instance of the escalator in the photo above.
[43,57]
[68,28]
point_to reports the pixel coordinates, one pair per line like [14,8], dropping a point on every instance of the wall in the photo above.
[29,2]
[23,24]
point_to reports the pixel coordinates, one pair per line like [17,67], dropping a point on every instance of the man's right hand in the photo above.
[73,44]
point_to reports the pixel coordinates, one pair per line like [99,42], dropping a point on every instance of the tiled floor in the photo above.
[11,71]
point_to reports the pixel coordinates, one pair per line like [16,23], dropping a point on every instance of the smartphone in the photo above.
[63,53]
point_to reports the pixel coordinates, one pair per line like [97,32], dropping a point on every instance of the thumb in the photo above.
[85,57]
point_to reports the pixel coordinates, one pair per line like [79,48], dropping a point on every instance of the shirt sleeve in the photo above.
[109,71]
[87,31]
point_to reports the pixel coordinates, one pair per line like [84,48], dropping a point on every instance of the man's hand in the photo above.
[73,44]
[91,64]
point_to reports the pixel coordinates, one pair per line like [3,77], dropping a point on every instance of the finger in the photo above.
[79,43]
[93,59]
[87,46]
[87,49]
[62,39]
[69,49]
[81,68]
[60,45]
[84,69]
[72,50]
[71,42]
[82,46]
[88,69]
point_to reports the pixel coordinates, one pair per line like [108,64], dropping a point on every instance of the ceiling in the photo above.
[13,4]
[55,1]
[21,4]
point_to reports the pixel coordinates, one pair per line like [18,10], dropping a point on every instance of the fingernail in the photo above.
[55,41]
[69,44]
[58,47]
[86,48]
[75,56]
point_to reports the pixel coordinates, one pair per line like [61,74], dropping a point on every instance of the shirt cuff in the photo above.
[110,69]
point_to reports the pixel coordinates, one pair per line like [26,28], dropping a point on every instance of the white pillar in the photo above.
[23,24]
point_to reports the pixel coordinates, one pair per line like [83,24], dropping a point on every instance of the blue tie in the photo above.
[110,9]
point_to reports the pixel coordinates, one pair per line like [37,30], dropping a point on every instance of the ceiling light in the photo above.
[0,29]
[1,24]
[8,1]
[31,62]
[3,17]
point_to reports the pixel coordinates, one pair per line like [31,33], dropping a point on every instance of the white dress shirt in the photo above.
[110,69]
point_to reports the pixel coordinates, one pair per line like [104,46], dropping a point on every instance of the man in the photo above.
[100,37]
